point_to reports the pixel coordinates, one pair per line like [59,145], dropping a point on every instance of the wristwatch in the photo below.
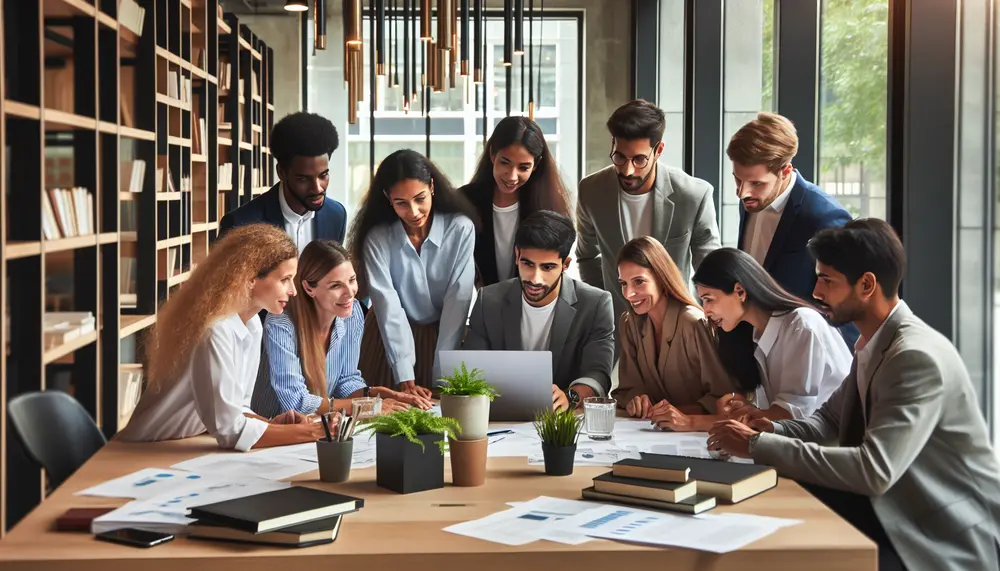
[573,397]
[752,442]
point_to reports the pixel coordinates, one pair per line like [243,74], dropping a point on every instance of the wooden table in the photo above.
[397,531]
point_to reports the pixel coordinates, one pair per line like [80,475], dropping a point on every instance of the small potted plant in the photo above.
[409,449]
[559,431]
[466,397]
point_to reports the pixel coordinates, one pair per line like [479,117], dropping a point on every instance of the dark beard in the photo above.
[545,294]
[642,183]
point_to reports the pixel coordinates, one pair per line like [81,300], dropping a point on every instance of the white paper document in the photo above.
[528,522]
[593,456]
[143,484]
[707,532]
[236,465]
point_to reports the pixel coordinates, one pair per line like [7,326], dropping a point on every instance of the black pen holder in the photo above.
[334,459]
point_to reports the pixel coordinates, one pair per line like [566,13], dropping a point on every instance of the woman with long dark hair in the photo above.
[782,352]
[515,178]
[414,236]
[668,369]
[313,347]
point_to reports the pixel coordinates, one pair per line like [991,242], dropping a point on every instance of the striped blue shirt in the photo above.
[281,385]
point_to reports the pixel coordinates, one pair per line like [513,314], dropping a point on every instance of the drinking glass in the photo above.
[366,407]
[599,417]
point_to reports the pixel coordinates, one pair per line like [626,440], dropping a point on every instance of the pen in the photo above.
[326,427]
[496,432]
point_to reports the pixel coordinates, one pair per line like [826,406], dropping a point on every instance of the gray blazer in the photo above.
[923,457]
[582,336]
[683,220]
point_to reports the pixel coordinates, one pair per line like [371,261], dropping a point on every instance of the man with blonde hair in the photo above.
[781,209]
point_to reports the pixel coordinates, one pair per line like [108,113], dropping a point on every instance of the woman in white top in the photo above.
[203,353]
[781,352]
[516,177]
[413,238]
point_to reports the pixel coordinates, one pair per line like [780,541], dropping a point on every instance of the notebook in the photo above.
[317,532]
[648,489]
[691,505]
[277,509]
[728,481]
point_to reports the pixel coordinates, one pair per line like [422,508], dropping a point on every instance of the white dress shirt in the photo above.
[298,226]
[762,225]
[636,211]
[435,284]
[802,360]
[505,220]
[211,395]
[536,325]
[863,354]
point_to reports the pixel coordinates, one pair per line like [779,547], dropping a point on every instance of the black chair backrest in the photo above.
[56,432]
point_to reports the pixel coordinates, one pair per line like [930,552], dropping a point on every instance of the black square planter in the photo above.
[401,466]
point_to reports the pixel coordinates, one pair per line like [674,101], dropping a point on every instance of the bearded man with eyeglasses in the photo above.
[638,195]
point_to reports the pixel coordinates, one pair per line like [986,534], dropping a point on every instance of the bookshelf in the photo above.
[111,189]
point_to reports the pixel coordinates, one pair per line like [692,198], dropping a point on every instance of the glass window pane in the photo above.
[853,91]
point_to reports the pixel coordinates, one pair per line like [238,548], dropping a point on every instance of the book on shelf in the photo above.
[67,212]
[129,391]
[225,175]
[132,172]
[127,278]
[305,535]
[131,15]
[61,327]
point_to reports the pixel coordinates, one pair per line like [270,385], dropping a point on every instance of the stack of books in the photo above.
[295,516]
[61,327]
[680,483]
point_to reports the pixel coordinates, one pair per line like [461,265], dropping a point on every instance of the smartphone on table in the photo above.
[135,537]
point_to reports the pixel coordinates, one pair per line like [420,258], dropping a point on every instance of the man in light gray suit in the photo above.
[544,310]
[640,196]
[900,450]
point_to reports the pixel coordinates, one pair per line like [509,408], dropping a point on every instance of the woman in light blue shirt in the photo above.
[312,348]
[414,236]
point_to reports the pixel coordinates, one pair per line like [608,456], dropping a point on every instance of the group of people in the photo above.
[793,349]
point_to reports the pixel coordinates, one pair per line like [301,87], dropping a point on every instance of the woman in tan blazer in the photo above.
[669,369]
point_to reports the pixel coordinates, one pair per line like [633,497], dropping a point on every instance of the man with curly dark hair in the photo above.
[301,144]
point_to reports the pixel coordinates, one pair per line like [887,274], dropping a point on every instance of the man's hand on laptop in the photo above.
[559,399]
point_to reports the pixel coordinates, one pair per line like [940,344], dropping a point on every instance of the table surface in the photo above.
[394,530]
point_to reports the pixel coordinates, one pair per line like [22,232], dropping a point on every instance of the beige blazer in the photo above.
[683,369]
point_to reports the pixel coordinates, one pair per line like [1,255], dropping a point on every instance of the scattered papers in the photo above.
[236,465]
[594,457]
[528,522]
[720,533]
[364,453]
[144,484]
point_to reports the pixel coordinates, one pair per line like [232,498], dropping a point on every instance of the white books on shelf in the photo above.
[131,15]
[67,212]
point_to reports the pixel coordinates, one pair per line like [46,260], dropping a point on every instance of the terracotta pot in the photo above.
[468,461]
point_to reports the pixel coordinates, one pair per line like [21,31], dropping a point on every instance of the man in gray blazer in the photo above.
[544,310]
[640,196]
[900,450]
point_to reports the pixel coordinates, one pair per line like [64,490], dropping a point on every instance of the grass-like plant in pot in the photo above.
[466,397]
[409,449]
[559,431]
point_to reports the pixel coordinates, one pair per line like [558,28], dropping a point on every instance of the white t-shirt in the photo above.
[536,325]
[505,220]
[298,226]
[636,214]
[762,225]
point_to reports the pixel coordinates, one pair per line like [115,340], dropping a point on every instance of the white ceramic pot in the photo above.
[471,412]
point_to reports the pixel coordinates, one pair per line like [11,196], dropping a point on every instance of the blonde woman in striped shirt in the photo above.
[313,347]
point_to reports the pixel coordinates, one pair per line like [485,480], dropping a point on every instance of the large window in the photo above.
[747,88]
[456,125]
[853,86]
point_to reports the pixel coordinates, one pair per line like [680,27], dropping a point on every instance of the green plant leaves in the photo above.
[412,422]
[558,428]
[468,383]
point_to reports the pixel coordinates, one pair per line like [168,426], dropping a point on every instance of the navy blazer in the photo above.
[329,223]
[789,262]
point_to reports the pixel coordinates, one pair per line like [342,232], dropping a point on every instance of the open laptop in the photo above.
[523,379]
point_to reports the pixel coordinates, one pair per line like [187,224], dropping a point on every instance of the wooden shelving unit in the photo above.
[84,96]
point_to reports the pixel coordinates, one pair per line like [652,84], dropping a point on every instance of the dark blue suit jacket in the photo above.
[329,223]
[807,211]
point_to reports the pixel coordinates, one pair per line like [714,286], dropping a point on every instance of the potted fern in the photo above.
[466,397]
[409,449]
[559,431]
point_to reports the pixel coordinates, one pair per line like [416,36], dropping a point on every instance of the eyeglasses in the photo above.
[638,161]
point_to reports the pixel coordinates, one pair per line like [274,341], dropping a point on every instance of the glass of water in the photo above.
[366,407]
[599,417]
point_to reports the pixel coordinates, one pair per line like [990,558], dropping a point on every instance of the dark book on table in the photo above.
[648,489]
[654,467]
[278,509]
[317,532]
[690,505]
[728,481]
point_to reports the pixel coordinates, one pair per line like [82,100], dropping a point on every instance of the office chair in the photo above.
[55,431]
